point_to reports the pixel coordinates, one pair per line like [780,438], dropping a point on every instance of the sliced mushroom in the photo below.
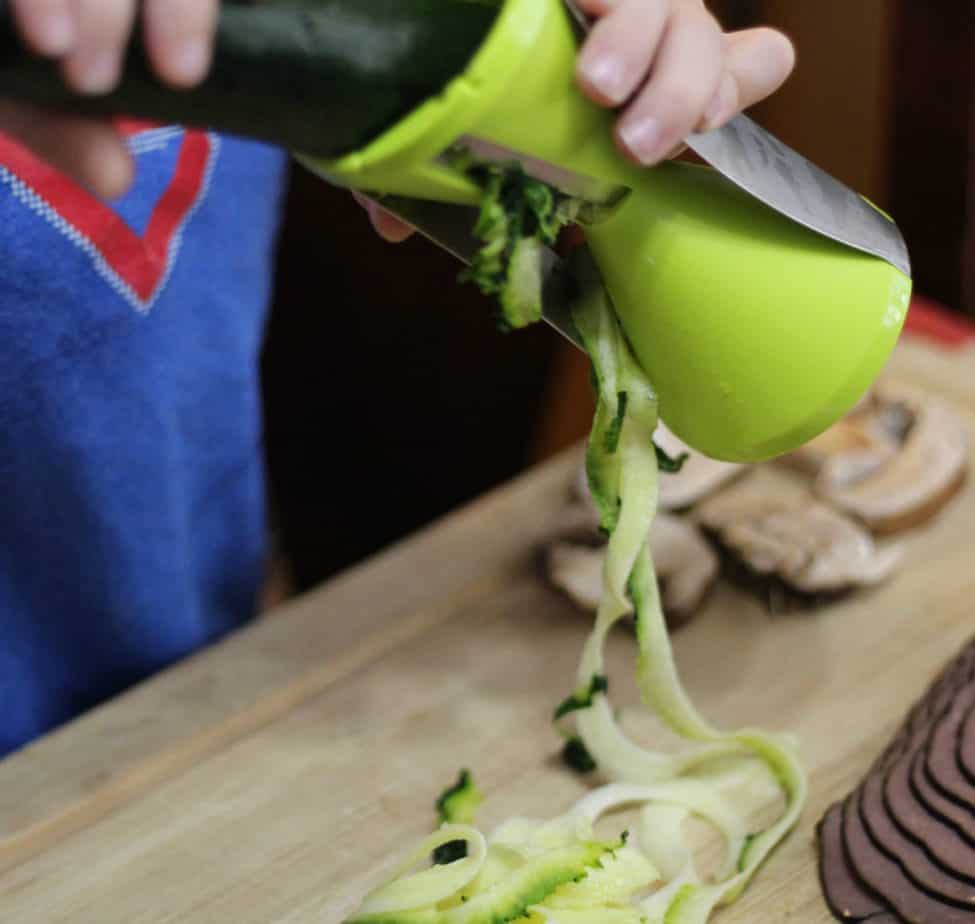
[576,569]
[859,444]
[686,564]
[788,534]
[901,489]
[699,476]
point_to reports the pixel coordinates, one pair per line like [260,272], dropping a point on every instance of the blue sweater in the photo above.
[132,521]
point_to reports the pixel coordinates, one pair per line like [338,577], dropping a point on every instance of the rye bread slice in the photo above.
[940,764]
[965,755]
[847,897]
[884,876]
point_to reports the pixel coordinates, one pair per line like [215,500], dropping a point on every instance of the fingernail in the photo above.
[605,74]
[57,33]
[188,62]
[98,74]
[642,140]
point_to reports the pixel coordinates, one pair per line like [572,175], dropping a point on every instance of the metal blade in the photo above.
[598,197]
[450,228]
[783,179]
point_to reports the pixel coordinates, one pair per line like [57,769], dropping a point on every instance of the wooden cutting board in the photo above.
[276,777]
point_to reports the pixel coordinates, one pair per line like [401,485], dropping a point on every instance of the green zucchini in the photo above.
[320,77]
[512,897]
[457,805]
[533,882]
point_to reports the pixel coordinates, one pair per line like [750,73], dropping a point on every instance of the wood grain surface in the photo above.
[276,776]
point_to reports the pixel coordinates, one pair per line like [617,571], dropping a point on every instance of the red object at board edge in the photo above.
[930,320]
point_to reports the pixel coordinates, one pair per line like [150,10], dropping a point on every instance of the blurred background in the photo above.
[390,396]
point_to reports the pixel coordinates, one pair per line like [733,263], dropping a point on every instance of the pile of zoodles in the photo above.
[558,871]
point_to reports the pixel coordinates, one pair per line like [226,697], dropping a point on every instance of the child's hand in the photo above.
[387,226]
[674,72]
[671,69]
[89,37]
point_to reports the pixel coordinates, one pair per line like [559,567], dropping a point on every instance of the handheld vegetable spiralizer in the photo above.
[760,295]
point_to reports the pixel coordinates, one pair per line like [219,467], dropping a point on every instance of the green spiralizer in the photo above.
[761,296]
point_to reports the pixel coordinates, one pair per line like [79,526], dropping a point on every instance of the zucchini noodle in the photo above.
[558,871]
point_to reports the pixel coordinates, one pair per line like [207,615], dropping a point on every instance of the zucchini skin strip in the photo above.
[622,466]
[320,77]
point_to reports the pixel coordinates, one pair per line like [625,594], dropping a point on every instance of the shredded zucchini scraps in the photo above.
[518,215]
[409,890]
[627,490]
[557,871]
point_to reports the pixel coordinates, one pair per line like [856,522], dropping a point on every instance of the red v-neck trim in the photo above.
[140,262]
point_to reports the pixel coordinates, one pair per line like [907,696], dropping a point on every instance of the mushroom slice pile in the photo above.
[893,463]
[699,476]
[686,564]
[858,444]
[808,545]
